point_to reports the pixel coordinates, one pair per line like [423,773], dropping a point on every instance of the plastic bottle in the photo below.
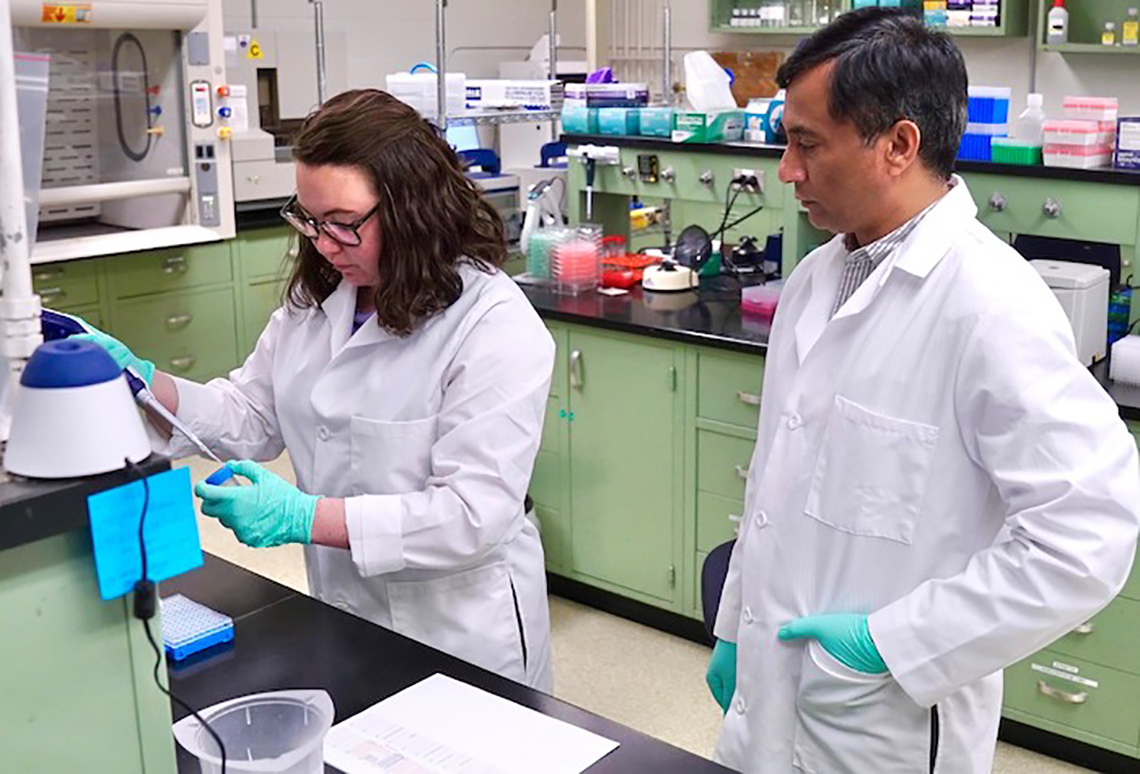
[1057,27]
[1130,30]
[1108,37]
[1029,127]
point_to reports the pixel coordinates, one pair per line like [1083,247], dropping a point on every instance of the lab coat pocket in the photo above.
[871,473]
[391,457]
[469,614]
[850,721]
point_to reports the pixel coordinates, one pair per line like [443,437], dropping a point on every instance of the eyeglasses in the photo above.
[346,234]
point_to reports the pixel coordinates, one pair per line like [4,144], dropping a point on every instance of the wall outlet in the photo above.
[749,179]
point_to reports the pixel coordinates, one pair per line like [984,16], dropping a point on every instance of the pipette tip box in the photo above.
[189,627]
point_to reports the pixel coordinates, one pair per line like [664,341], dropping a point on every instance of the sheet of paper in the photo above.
[171,531]
[443,726]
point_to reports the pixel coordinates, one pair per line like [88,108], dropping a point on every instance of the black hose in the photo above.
[131,153]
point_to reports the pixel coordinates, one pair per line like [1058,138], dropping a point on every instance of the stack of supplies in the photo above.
[988,118]
[1086,137]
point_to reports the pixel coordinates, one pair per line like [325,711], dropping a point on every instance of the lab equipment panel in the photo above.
[1057,208]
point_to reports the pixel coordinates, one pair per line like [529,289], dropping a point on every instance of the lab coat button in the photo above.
[794,421]
[740,705]
[323,433]
[761,519]
[747,615]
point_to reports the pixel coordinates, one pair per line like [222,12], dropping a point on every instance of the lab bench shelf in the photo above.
[1013,21]
[495,117]
[1086,22]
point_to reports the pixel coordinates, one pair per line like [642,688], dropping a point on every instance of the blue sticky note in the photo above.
[170,532]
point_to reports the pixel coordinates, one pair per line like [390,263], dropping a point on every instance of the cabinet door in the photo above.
[261,301]
[624,441]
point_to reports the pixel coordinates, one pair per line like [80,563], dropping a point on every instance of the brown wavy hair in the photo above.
[432,217]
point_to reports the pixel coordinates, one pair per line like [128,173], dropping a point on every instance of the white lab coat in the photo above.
[431,440]
[934,456]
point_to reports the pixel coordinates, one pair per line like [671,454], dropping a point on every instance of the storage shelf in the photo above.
[965,32]
[488,117]
[1089,48]
[1014,22]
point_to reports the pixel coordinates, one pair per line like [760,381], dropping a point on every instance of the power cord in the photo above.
[145,606]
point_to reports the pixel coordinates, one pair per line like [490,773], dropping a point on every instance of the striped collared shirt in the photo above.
[861,261]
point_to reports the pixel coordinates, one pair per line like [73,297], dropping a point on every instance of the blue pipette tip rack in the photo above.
[189,627]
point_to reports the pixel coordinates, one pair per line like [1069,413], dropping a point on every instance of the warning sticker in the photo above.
[1064,675]
[254,51]
[72,13]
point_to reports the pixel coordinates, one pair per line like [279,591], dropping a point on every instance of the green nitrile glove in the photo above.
[120,353]
[721,674]
[844,635]
[268,512]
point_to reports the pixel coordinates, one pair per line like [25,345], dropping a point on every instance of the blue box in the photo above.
[988,104]
[620,121]
[976,147]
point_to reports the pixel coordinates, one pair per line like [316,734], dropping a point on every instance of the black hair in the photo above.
[888,67]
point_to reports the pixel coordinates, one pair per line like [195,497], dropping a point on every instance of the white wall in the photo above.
[367,39]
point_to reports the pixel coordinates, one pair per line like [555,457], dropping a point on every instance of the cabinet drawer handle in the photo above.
[1055,693]
[1088,627]
[49,295]
[576,369]
[735,519]
[43,275]
[741,471]
[177,322]
[748,398]
[182,364]
[175,264]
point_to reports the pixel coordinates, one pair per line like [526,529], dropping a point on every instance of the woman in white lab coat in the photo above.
[407,378]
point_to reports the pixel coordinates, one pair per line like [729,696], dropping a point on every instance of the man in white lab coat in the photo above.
[939,488]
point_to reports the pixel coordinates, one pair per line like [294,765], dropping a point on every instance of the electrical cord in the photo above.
[145,604]
[734,188]
[130,152]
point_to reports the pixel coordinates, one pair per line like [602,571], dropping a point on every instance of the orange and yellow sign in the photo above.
[72,13]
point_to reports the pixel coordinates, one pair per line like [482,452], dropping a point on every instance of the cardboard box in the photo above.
[697,127]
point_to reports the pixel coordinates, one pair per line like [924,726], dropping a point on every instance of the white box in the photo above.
[503,92]
[1082,289]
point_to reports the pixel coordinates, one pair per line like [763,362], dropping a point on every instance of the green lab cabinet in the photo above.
[266,253]
[728,388]
[1067,209]
[261,300]
[57,629]
[1075,698]
[176,268]
[626,462]
[67,285]
[191,334]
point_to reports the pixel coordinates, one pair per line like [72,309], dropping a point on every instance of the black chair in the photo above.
[713,573]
